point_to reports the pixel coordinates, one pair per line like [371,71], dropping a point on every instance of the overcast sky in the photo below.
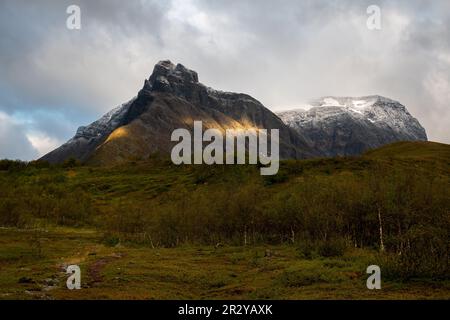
[283,53]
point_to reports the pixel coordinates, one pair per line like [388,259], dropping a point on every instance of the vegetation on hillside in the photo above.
[395,203]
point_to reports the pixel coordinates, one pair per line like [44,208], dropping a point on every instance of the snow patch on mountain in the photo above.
[105,124]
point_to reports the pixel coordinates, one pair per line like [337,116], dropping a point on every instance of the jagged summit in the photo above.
[165,70]
[183,82]
[168,77]
[174,79]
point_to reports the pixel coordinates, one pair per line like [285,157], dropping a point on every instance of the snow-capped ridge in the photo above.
[358,102]
[350,125]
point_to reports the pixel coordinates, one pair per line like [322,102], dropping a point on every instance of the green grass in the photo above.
[187,272]
[412,150]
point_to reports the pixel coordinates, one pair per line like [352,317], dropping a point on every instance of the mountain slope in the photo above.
[350,126]
[172,98]
[413,150]
[88,138]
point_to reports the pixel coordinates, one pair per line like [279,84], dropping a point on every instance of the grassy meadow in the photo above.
[150,230]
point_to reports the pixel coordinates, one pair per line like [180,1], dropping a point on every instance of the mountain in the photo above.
[350,126]
[172,98]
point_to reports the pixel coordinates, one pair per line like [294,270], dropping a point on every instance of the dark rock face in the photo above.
[350,126]
[172,98]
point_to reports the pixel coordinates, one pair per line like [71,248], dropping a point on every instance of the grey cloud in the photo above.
[44,65]
[13,142]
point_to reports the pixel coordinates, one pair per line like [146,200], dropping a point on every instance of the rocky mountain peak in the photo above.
[167,75]
[174,79]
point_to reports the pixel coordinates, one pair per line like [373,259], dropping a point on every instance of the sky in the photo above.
[284,53]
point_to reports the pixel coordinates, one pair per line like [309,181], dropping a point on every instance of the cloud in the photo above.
[282,53]
[14,144]
[42,143]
